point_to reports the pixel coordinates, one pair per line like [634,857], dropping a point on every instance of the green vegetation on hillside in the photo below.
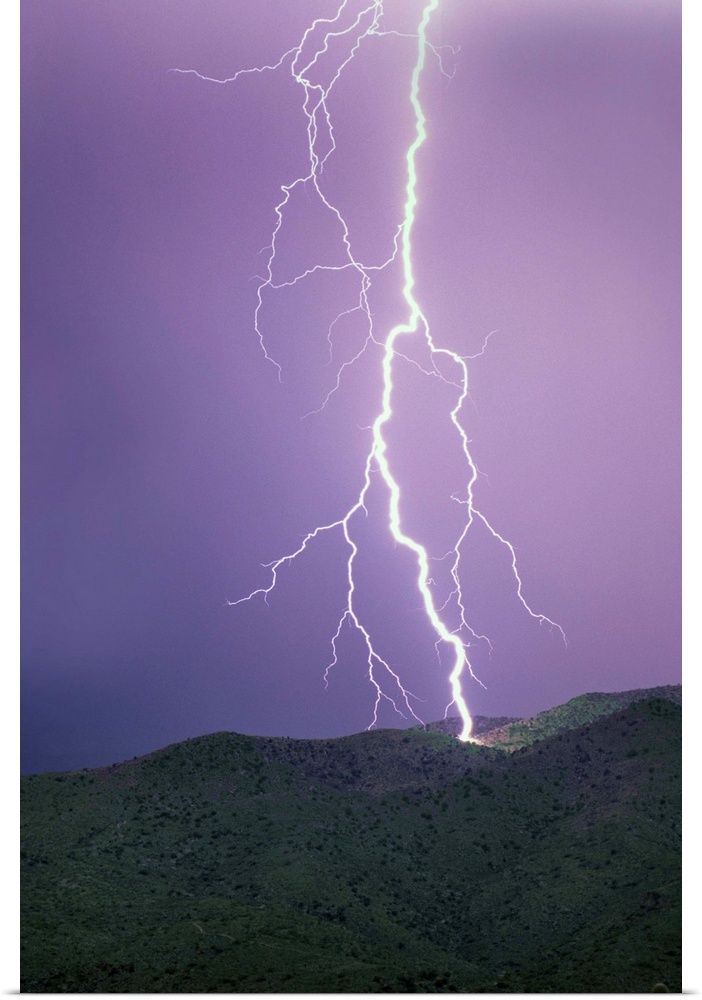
[576,712]
[391,861]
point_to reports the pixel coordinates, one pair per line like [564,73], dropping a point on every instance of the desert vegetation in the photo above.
[390,861]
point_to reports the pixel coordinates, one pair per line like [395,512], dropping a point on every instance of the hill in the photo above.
[389,861]
[512,734]
[576,712]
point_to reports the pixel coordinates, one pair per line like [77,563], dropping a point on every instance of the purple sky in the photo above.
[164,462]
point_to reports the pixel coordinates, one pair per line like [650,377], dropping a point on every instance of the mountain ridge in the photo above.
[502,732]
[511,733]
[385,861]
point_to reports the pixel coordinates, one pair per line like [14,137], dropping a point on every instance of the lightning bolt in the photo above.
[320,36]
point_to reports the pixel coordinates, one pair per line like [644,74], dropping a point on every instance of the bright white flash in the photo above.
[363,22]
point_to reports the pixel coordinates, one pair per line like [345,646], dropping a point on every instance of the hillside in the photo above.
[390,861]
[512,734]
[576,712]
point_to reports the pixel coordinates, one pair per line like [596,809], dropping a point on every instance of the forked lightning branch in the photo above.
[356,25]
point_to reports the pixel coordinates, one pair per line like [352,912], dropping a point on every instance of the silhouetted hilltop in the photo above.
[389,861]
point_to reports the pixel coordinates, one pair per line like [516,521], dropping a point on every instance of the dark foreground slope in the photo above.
[389,861]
